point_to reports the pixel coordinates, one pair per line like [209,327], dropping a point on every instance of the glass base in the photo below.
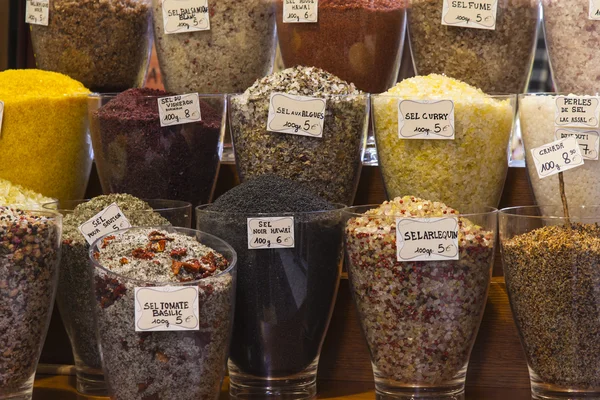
[295,387]
[544,391]
[390,390]
[91,384]
[24,392]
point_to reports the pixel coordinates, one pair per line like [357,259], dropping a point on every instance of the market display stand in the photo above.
[497,368]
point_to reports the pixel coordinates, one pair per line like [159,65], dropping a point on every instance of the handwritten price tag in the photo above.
[296,115]
[594,10]
[271,233]
[109,220]
[300,11]
[166,308]
[36,12]
[588,141]
[427,239]
[577,112]
[181,16]
[479,14]
[177,110]
[425,119]
[559,156]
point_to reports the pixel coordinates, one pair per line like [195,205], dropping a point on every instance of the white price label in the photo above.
[271,233]
[427,239]
[297,11]
[109,220]
[480,14]
[577,112]
[1,116]
[177,110]
[296,115]
[426,119]
[559,156]
[166,308]
[181,16]
[594,10]
[36,12]
[588,141]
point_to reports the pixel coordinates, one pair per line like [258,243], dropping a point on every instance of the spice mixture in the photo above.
[17,194]
[105,44]
[284,296]
[473,166]
[420,318]
[330,165]
[134,154]
[29,255]
[74,301]
[582,185]
[238,49]
[572,40]
[56,163]
[358,40]
[553,279]
[181,365]
[497,61]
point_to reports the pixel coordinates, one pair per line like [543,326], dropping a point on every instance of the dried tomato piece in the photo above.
[142,254]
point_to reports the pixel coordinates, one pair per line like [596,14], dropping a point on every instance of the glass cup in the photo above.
[537,113]
[29,262]
[551,268]
[135,155]
[572,40]
[73,297]
[420,318]
[450,171]
[104,45]
[494,60]
[329,165]
[360,42]
[237,49]
[181,365]
[285,298]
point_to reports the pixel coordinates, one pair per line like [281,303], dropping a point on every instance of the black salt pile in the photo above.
[284,296]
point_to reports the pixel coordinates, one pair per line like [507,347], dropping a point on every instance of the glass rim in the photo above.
[228,270]
[48,212]
[557,94]
[201,209]
[493,96]
[509,211]
[322,95]
[349,210]
[95,95]
[182,205]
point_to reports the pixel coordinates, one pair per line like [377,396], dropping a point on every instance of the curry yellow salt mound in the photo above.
[44,142]
[471,168]
[17,194]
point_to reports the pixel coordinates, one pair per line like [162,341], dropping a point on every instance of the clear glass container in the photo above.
[496,61]
[572,40]
[472,166]
[183,365]
[29,264]
[135,155]
[75,302]
[360,42]
[329,165]
[552,274]
[51,131]
[104,44]
[537,113]
[238,49]
[420,318]
[285,298]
